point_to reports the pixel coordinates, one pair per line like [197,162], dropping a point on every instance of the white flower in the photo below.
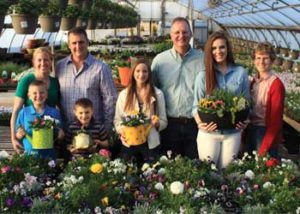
[268,184]
[4,154]
[213,167]
[163,159]
[177,187]
[51,164]
[145,166]
[249,174]
[298,210]
[97,210]
[161,171]
[169,153]
[159,186]
[47,117]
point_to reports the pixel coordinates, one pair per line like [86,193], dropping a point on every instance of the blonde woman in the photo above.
[41,61]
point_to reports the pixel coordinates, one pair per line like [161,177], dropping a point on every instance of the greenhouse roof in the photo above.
[277,21]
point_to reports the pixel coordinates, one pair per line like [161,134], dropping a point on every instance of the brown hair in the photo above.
[266,48]
[78,31]
[38,83]
[132,91]
[181,19]
[84,103]
[210,73]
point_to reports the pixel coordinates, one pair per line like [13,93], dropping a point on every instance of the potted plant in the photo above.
[93,18]
[83,18]
[287,65]
[69,17]
[24,15]
[50,18]
[123,66]
[223,108]
[296,67]
[4,5]
[294,54]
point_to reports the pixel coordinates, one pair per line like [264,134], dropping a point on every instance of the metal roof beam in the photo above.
[297,28]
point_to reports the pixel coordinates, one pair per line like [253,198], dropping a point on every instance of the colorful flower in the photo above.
[96,168]
[272,162]
[105,153]
[105,201]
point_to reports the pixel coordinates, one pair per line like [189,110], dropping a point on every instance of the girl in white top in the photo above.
[141,96]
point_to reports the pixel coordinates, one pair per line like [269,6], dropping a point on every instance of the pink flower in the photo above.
[5,169]
[105,153]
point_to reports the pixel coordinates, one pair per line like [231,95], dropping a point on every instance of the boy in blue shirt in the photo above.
[37,92]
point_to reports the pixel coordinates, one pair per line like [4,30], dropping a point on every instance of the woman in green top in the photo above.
[42,61]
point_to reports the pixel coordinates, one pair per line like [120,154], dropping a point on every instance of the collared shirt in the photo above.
[27,115]
[95,129]
[175,76]
[235,80]
[259,92]
[93,81]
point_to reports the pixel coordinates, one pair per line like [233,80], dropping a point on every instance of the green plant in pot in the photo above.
[69,17]
[24,15]
[94,15]
[83,18]
[50,18]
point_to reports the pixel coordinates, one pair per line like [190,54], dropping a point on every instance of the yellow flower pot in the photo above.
[137,135]
[41,138]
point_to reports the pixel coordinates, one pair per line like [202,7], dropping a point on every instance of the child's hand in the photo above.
[20,133]
[17,146]
[155,121]
[102,143]
[61,134]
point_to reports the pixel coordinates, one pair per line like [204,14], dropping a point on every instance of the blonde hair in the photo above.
[45,50]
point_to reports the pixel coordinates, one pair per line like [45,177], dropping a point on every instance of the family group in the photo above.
[82,96]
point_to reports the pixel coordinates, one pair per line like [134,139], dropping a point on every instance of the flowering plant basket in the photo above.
[42,132]
[223,108]
[136,128]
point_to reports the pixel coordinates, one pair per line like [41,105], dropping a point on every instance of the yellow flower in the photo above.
[96,168]
[104,201]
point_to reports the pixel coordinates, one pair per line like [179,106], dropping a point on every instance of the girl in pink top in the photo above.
[267,94]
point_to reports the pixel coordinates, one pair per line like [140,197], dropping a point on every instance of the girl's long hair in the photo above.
[210,73]
[132,88]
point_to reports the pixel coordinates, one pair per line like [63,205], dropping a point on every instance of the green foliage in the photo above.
[12,67]
[52,9]
[29,7]
[4,5]
[292,105]
[71,11]
[160,47]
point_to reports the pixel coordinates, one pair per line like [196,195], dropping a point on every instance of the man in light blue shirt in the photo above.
[174,72]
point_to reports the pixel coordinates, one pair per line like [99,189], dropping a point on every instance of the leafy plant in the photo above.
[160,47]
[71,11]
[222,101]
[134,120]
[52,9]
[12,67]
[4,5]
[29,7]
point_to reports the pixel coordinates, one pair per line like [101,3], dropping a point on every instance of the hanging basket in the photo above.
[81,23]
[294,54]
[125,75]
[49,23]
[67,23]
[92,24]
[24,24]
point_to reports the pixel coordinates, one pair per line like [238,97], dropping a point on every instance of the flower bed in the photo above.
[180,185]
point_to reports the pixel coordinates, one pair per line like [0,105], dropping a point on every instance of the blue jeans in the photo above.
[180,137]
[255,135]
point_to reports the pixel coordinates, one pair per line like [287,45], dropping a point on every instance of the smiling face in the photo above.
[262,62]
[37,94]
[219,51]
[141,74]
[83,114]
[42,64]
[180,35]
[78,45]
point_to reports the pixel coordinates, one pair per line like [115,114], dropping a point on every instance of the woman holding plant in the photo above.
[267,94]
[140,98]
[215,144]
[42,61]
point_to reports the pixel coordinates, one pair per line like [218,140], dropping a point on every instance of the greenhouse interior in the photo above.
[150,106]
